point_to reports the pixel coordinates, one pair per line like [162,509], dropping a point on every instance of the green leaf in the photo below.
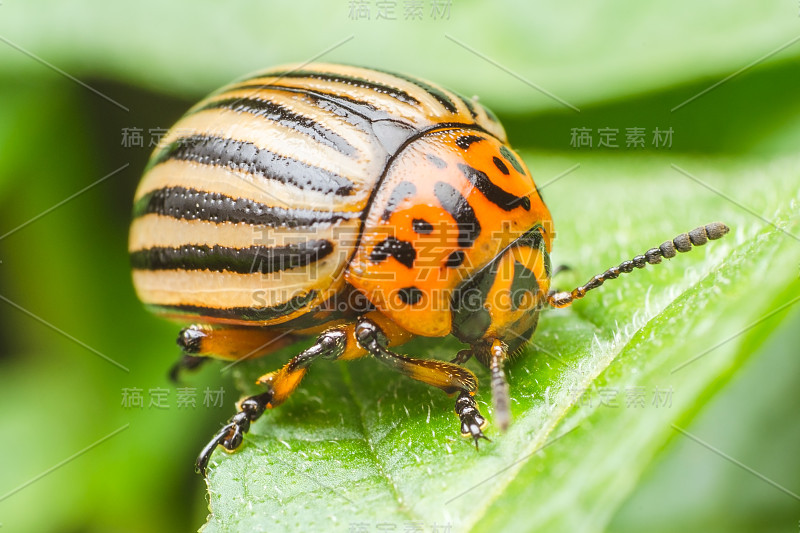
[580,51]
[359,444]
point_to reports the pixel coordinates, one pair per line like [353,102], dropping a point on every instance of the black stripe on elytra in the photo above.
[511,159]
[390,131]
[354,81]
[465,141]
[355,112]
[469,105]
[285,117]
[454,203]
[337,101]
[500,165]
[435,92]
[191,204]
[250,260]
[403,251]
[401,192]
[491,115]
[246,156]
[504,200]
[253,314]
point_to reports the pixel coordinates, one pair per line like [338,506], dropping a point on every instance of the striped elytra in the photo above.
[359,207]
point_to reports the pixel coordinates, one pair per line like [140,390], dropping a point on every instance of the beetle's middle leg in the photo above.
[449,377]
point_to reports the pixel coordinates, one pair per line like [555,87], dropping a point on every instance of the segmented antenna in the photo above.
[681,243]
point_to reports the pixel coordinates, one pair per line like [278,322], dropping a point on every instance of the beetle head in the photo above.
[502,299]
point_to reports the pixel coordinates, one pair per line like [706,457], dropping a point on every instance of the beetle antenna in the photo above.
[668,250]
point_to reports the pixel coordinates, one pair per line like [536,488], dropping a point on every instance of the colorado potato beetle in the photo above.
[359,207]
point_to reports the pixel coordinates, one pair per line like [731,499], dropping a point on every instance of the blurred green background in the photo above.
[77,77]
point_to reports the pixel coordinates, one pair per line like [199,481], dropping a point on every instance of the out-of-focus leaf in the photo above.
[754,422]
[581,52]
[358,444]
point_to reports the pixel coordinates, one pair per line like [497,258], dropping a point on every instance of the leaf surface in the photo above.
[594,396]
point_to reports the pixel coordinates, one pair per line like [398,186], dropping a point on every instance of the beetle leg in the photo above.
[185,363]
[232,342]
[446,376]
[200,341]
[498,353]
[493,354]
[471,420]
[280,384]
[462,357]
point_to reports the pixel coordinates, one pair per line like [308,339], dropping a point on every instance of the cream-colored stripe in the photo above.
[271,136]
[431,104]
[483,120]
[240,184]
[301,104]
[157,230]
[392,106]
[227,289]
[383,101]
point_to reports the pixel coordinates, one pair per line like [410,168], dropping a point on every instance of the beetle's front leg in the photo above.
[447,376]
[230,436]
[280,384]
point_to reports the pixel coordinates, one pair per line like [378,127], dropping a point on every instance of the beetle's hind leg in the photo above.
[330,344]
[449,377]
[185,364]
[199,342]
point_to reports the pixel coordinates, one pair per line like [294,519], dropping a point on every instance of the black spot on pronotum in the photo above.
[403,251]
[421,226]
[454,203]
[501,198]
[500,165]
[455,259]
[512,159]
[438,162]
[465,141]
[401,192]
[410,295]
